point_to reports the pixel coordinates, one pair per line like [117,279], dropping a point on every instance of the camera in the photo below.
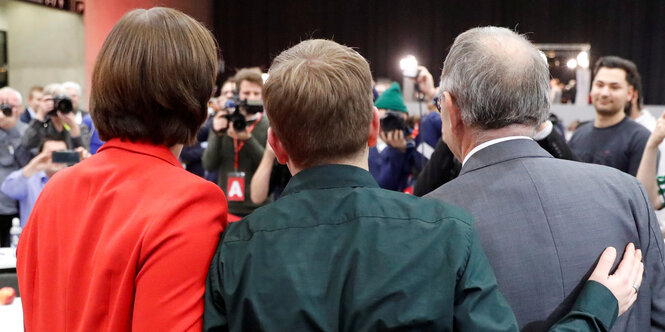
[394,121]
[237,119]
[65,157]
[62,104]
[6,109]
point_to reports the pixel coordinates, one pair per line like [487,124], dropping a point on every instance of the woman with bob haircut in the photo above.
[122,241]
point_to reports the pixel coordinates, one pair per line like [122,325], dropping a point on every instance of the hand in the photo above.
[220,123]
[627,275]
[37,164]
[239,135]
[45,107]
[70,120]
[394,138]
[658,133]
[425,82]
[83,153]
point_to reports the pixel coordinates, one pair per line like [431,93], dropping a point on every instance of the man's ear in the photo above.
[277,147]
[453,114]
[374,128]
[631,93]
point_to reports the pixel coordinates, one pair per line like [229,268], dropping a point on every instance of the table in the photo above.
[11,316]
[7,258]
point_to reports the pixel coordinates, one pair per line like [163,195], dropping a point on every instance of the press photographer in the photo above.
[392,160]
[10,140]
[55,118]
[237,141]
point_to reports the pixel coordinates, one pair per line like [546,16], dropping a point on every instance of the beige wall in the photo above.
[3,19]
[44,45]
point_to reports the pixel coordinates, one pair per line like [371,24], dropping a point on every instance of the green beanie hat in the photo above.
[391,99]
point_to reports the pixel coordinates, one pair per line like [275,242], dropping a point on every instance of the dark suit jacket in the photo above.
[543,223]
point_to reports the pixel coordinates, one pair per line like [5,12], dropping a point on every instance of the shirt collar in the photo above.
[492,142]
[330,176]
[158,151]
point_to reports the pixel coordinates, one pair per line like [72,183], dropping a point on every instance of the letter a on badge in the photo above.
[235,189]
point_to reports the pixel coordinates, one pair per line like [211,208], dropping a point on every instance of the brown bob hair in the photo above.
[153,78]
[318,99]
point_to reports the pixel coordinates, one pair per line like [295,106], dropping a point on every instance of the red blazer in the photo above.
[121,241]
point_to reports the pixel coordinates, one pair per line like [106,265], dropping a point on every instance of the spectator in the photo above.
[122,241]
[647,171]
[338,253]
[34,101]
[270,178]
[235,154]
[51,122]
[24,185]
[542,221]
[10,139]
[613,139]
[392,159]
[74,92]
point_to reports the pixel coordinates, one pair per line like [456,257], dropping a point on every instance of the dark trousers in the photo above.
[5,225]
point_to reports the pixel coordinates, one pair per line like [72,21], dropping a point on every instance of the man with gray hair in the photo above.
[10,139]
[542,221]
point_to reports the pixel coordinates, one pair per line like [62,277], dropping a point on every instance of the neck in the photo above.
[176,149]
[607,120]
[477,136]
[359,160]
[635,113]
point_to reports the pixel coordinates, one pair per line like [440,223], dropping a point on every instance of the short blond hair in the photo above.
[318,98]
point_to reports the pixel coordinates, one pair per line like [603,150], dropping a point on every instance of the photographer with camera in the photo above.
[237,141]
[392,159]
[55,118]
[24,185]
[10,140]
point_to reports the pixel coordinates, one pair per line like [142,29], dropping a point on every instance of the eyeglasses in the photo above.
[437,103]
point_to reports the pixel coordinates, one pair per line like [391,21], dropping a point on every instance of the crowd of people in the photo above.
[292,212]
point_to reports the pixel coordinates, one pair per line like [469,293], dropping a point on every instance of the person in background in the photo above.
[613,139]
[25,185]
[34,101]
[122,241]
[52,122]
[74,92]
[392,160]
[10,139]
[646,173]
[235,153]
[336,252]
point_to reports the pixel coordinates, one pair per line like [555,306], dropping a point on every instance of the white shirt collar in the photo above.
[492,142]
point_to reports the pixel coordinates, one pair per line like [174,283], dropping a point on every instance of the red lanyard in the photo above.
[237,146]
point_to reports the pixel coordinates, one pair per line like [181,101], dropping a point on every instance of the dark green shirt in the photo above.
[337,253]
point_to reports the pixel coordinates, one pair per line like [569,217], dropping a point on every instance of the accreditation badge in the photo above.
[235,186]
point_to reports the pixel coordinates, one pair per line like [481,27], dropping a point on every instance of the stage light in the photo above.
[264,77]
[572,63]
[583,59]
[409,66]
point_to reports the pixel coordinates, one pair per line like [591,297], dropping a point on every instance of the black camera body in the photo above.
[394,121]
[6,109]
[62,104]
[237,119]
[68,157]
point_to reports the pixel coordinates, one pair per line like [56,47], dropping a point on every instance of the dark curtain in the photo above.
[251,33]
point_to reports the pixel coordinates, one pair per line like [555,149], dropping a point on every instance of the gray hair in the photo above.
[72,85]
[14,91]
[497,78]
[54,89]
